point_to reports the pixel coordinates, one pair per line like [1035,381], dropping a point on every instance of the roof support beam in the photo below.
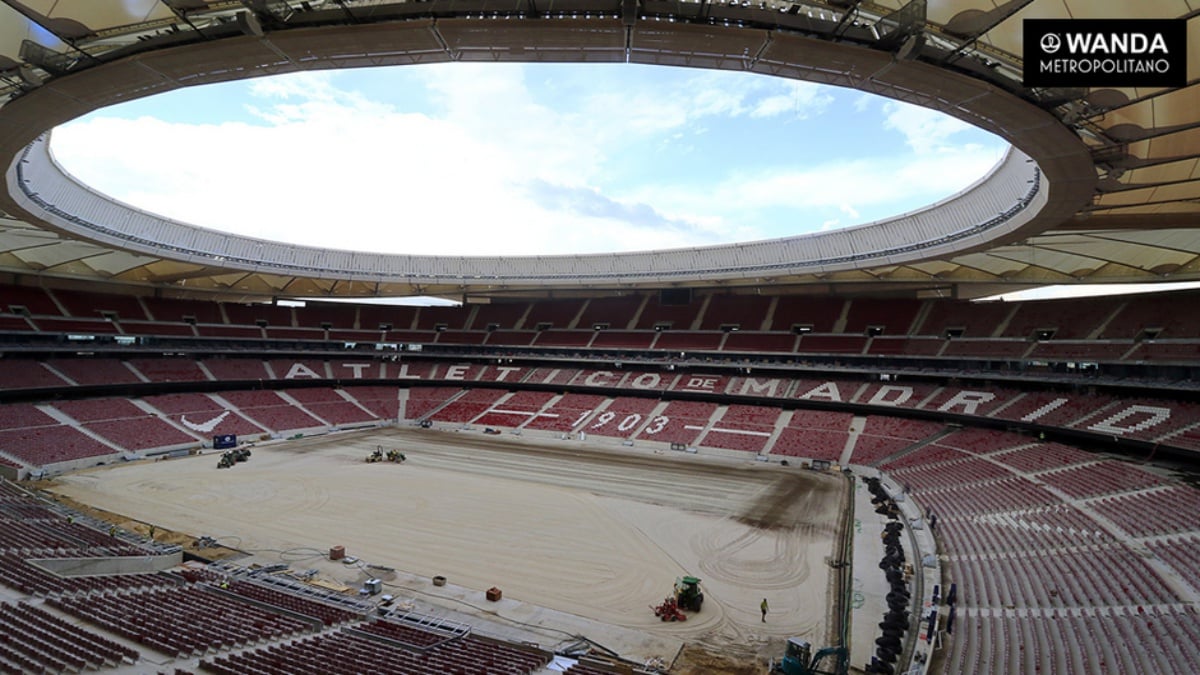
[970,25]
[1140,222]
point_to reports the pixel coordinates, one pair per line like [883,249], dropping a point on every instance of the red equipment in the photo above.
[669,611]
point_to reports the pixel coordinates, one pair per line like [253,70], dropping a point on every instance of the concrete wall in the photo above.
[74,567]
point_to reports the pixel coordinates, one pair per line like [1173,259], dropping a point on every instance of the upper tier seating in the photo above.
[184,311]
[500,315]
[564,338]
[623,339]
[893,316]
[233,370]
[745,312]
[433,318]
[94,371]
[1158,311]
[973,319]
[393,317]
[689,341]
[818,314]
[760,342]
[655,314]
[326,315]
[558,314]
[1075,320]
[258,314]
[177,369]
[298,369]
[30,299]
[615,312]
[89,305]
[29,374]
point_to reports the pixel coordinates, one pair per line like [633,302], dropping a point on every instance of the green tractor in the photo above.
[798,659]
[687,593]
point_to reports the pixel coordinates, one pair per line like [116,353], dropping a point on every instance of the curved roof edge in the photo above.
[1023,196]
[1001,202]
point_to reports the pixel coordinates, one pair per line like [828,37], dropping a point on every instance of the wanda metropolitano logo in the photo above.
[1105,52]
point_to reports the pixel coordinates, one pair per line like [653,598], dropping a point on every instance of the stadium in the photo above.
[217,456]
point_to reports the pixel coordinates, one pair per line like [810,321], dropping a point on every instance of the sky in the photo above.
[523,159]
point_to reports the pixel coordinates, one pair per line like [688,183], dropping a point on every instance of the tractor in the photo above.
[687,593]
[396,456]
[376,456]
[798,659]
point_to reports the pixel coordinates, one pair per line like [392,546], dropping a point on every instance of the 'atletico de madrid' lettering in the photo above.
[890,394]
[299,370]
[646,381]
[1120,421]
[827,391]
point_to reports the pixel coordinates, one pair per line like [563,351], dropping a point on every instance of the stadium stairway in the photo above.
[916,446]
[151,410]
[856,428]
[1168,574]
[67,420]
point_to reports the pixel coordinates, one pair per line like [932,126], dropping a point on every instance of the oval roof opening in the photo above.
[523,159]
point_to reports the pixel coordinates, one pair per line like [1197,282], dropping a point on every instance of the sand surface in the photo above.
[598,533]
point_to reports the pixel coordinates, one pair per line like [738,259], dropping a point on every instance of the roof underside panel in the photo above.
[1144,142]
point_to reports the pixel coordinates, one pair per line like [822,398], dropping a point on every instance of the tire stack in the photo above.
[896,621]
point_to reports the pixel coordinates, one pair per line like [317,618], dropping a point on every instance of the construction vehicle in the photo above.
[798,659]
[687,593]
[669,611]
[231,457]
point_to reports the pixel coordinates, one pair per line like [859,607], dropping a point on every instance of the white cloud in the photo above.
[1091,290]
[848,187]
[333,169]
[802,100]
[924,130]
[497,170]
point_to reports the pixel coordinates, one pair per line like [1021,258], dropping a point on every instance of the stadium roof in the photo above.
[1104,185]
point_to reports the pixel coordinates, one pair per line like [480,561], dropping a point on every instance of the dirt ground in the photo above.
[600,533]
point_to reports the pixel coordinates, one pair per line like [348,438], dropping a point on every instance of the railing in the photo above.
[1013,185]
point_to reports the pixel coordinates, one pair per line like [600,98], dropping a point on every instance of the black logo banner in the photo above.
[1105,52]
